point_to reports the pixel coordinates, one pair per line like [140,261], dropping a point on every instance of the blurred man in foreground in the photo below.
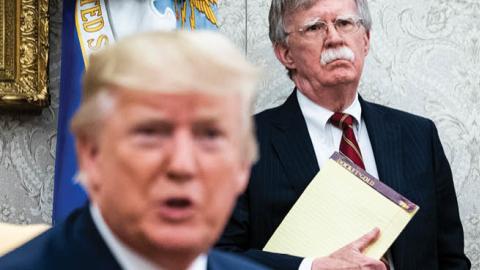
[164,142]
[323,45]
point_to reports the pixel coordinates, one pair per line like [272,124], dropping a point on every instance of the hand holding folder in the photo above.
[351,256]
[341,204]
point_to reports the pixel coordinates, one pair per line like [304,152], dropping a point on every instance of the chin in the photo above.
[342,76]
[339,81]
[181,238]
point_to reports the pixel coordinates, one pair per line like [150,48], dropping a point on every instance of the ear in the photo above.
[366,39]
[282,52]
[243,176]
[87,153]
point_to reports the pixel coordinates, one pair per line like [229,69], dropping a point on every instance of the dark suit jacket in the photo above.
[409,158]
[76,244]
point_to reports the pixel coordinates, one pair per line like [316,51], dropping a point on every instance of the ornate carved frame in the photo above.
[24,54]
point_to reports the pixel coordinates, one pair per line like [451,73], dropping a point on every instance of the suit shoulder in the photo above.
[266,115]
[265,123]
[32,255]
[399,115]
[224,260]
[53,249]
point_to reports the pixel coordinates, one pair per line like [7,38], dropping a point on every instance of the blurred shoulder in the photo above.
[35,254]
[64,246]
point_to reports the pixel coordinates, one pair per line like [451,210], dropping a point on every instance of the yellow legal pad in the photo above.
[341,204]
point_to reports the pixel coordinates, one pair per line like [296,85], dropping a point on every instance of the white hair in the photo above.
[279,9]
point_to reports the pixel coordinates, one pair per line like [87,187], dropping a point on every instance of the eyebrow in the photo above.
[312,21]
[347,16]
[153,122]
[207,121]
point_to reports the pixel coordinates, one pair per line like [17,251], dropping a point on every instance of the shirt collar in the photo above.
[126,257]
[314,113]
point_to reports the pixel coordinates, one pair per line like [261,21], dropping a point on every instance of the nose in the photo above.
[182,162]
[332,37]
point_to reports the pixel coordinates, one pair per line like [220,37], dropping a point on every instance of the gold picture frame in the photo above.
[24,45]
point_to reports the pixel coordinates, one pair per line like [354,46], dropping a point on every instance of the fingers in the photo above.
[363,242]
[351,257]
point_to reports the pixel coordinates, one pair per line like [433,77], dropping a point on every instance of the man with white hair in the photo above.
[165,144]
[323,45]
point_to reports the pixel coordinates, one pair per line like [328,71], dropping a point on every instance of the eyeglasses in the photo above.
[318,28]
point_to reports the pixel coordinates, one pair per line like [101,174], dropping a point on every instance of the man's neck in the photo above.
[144,257]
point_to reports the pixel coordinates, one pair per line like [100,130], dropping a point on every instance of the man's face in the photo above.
[304,54]
[167,168]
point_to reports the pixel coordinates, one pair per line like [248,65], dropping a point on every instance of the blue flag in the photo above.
[87,27]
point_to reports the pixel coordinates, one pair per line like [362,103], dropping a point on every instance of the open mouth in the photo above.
[176,209]
[178,203]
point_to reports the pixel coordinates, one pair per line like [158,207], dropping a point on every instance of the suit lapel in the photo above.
[86,242]
[291,141]
[386,140]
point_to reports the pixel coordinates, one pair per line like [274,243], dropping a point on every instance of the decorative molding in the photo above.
[24,54]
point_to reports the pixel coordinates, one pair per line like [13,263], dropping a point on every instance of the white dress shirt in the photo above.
[125,256]
[326,139]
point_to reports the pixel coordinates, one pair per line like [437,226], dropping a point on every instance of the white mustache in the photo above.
[331,55]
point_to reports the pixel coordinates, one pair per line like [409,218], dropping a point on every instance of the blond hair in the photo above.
[202,61]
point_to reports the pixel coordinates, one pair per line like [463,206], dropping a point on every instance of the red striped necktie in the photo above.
[348,145]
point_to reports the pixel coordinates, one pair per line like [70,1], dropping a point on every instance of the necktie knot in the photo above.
[342,120]
[348,144]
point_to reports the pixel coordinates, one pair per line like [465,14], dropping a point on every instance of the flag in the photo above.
[90,25]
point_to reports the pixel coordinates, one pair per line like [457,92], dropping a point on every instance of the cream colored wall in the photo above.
[425,59]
